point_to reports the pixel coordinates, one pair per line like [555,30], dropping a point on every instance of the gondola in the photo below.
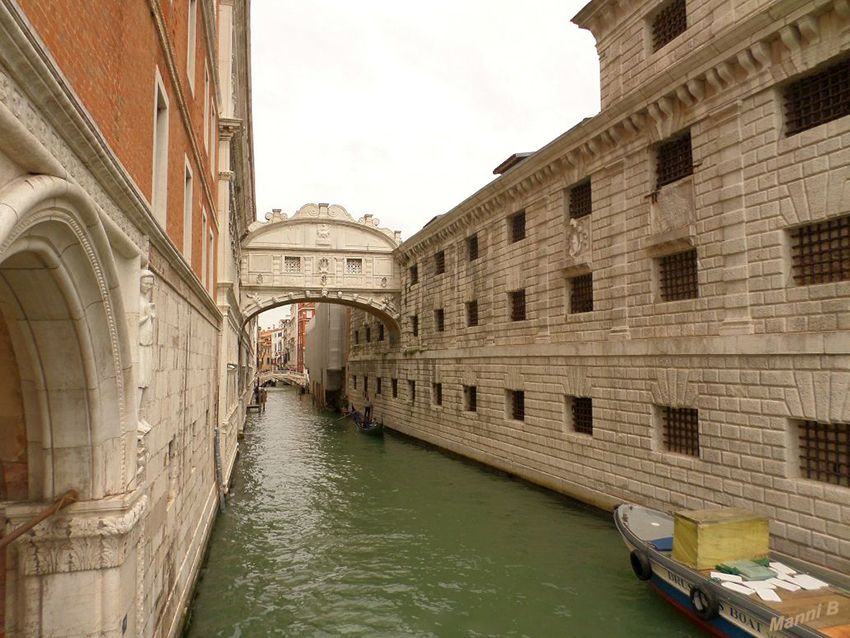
[370,427]
[810,605]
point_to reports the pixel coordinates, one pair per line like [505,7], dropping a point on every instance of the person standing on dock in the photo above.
[264,394]
[367,407]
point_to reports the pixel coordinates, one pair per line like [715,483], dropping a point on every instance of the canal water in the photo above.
[329,532]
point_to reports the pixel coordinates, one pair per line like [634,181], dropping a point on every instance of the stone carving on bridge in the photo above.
[147,314]
[578,238]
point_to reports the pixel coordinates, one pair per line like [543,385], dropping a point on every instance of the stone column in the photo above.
[614,181]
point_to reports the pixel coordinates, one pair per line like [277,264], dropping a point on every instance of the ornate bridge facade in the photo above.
[321,254]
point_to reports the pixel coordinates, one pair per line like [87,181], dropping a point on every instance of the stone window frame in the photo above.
[579,281]
[473,247]
[440,319]
[413,274]
[798,80]
[789,249]
[378,388]
[394,386]
[353,261]
[411,391]
[659,263]
[159,173]
[839,445]
[288,259]
[669,145]
[381,331]
[516,231]
[574,199]
[659,412]
[414,325]
[470,398]
[440,262]
[570,410]
[354,381]
[437,394]
[357,337]
[515,405]
[191,43]
[650,25]
[473,318]
[518,305]
[368,334]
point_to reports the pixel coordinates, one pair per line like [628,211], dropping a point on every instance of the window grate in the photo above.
[582,408]
[518,305]
[440,319]
[472,247]
[440,262]
[825,452]
[470,396]
[354,266]
[414,325]
[817,98]
[368,334]
[581,293]
[414,275]
[379,384]
[679,276]
[380,332]
[674,160]
[438,394]
[394,384]
[517,226]
[472,313]
[356,336]
[820,252]
[670,22]
[291,264]
[411,386]
[354,378]
[581,204]
[681,430]
[518,405]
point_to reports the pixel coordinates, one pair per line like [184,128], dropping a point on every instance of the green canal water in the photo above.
[329,532]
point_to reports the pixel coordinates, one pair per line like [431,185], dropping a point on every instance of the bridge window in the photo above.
[414,325]
[414,274]
[680,430]
[394,384]
[516,226]
[472,313]
[669,23]
[380,332]
[440,262]
[674,160]
[516,404]
[411,388]
[470,398]
[378,389]
[438,394]
[825,452]
[581,203]
[472,247]
[517,302]
[679,276]
[818,98]
[368,334]
[354,266]
[292,264]
[440,319]
[581,293]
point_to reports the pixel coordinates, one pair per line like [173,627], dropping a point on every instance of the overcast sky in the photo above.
[403,109]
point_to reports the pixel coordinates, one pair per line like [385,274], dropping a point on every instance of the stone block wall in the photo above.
[755,352]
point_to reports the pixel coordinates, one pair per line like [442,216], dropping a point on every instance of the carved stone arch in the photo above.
[816,197]
[514,379]
[60,294]
[576,382]
[676,388]
[469,377]
[819,396]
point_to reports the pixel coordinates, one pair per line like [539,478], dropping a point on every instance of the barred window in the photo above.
[581,411]
[825,452]
[440,320]
[354,266]
[438,394]
[681,430]
[820,252]
[414,275]
[394,384]
[679,276]
[356,336]
[517,299]
[472,313]
[472,247]
[581,204]
[411,387]
[668,23]
[440,262]
[470,398]
[354,380]
[581,293]
[414,325]
[817,98]
[673,160]
[378,389]
[516,405]
[368,334]
[380,332]
[291,264]
[516,226]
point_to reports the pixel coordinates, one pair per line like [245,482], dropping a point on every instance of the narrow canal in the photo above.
[329,532]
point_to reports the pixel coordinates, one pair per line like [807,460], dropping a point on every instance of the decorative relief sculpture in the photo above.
[323,234]
[324,265]
[577,238]
[147,314]
[383,282]
[674,207]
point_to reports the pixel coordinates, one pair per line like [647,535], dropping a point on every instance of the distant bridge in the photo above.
[292,378]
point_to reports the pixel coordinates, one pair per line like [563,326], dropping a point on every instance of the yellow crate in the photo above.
[702,539]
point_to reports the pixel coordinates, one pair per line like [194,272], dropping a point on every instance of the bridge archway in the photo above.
[323,255]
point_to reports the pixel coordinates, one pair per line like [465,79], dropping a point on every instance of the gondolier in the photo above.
[367,406]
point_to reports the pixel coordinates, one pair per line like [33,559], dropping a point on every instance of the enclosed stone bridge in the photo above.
[321,254]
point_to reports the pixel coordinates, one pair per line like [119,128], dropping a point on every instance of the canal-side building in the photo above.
[324,355]
[654,306]
[126,182]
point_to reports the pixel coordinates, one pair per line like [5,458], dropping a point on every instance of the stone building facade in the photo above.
[654,306]
[126,181]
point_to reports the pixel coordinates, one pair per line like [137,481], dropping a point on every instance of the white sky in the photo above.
[403,109]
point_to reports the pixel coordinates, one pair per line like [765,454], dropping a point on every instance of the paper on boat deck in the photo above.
[784,584]
[759,584]
[768,594]
[808,582]
[732,578]
[738,588]
[788,578]
[780,568]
